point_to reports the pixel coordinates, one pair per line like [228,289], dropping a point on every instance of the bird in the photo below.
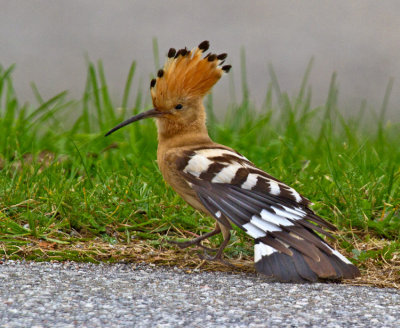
[220,182]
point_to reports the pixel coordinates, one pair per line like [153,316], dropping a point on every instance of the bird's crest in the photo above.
[187,74]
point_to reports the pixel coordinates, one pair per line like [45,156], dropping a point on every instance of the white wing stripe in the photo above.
[261,250]
[274,187]
[197,165]
[286,214]
[297,211]
[296,195]
[250,182]
[253,231]
[275,219]
[227,174]
[264,225]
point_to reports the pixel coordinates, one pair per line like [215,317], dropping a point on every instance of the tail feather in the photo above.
[344,269]
[340,269]
[289,268]
[301,268]
[282,267]
[264,267]
[322,268]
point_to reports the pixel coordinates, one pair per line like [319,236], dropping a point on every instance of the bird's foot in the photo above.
[182,244]
[216,258]
[185,244]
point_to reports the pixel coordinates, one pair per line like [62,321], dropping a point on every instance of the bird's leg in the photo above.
[218,257]
[198,240]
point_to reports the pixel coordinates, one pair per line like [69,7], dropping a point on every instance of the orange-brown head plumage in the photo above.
[186,76]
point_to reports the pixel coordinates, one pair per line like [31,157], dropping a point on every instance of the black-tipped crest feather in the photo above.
[204,45]
[171,53]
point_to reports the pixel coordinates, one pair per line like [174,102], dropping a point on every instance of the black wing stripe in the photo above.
[255,170]
[227,211]
[315,227]
[212,170]
[226,157]
[250,200]
[270,199]
[250,206]
[242,214]
[264,186]
[321,221]
[240,176]
[214,211]
[267,183]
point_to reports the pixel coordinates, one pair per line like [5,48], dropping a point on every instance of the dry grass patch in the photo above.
[375,272]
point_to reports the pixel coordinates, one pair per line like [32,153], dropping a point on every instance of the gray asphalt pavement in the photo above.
[126,295]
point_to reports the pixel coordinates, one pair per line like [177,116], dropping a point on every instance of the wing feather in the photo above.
[275,215]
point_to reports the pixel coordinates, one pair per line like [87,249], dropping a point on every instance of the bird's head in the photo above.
[179,88]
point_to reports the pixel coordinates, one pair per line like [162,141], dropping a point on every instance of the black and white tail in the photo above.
[297,267]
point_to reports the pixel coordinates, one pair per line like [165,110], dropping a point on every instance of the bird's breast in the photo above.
[167,162]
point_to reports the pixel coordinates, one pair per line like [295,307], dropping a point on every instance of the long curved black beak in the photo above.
[150,113]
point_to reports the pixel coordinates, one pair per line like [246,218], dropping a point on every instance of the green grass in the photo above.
[62,181]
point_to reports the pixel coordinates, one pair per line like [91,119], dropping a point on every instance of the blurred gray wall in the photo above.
[360,40]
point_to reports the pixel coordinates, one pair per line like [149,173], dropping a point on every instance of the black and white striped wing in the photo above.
[275,215]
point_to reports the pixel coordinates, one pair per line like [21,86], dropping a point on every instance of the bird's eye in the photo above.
[179,106]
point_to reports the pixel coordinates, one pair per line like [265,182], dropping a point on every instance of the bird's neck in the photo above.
[184,132]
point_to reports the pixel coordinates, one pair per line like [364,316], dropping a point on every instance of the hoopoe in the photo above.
[224,184]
